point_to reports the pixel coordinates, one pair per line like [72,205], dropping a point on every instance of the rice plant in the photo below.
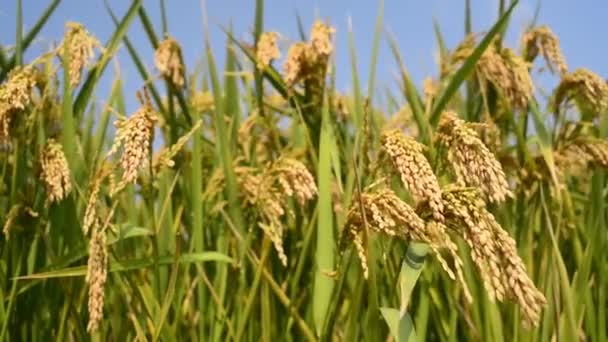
[259,203]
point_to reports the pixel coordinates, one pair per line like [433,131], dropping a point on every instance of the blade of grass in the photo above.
[324,255]
[375,48]
[411,94]
[130,265]
[401,326]
[467,67]
[29,37]
[223,145]
[95,73]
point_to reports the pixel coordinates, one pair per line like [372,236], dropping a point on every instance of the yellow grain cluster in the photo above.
[90,212]
[386,213]
[79,45]
[472,162]
[308,61]
[493,251]
[135,136]
[164,158]
[169,61]
[55,172]
[407,158]
[97,273]
[10,219]
[203,101]
[267,49]
[588,89]
[15,95]
[582,152]
[500,67]
[269,191]
[542,39]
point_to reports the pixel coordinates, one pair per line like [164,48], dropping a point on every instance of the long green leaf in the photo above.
[467,67]
[84,96]
[130,265]
[324,256]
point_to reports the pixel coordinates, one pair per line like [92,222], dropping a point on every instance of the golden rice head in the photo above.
[466,212]
[460,53]
[80,49]
[587,88]
[308,61]
[430,89]
[582,152]
[135,136]
[386,213]
[508,73]
[168,60]
[55,172]
[15,95]
[321,38]
[357,239]
[520,287]
[295,179]
[267,49]
[341,106]
[543,39]
[417,176]
[258,191]
[164,158]
[493,251]
[488,133]
[402,120]
[440,230]
[472,162]
[90,212]
[10,219]
[97,273]
[268,191]
[276,236]
[203,102]
[295,63]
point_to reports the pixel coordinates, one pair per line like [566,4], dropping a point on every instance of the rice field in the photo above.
[256,202]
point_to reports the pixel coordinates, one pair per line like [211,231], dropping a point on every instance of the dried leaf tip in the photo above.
[55,172]
[135,136]
[168,60]
[542,39]
[472,162]
[407,158]
[267,49]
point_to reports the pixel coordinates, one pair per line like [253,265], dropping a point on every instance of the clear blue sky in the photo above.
[581,26]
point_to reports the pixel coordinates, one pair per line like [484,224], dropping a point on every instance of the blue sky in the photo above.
[580,26]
